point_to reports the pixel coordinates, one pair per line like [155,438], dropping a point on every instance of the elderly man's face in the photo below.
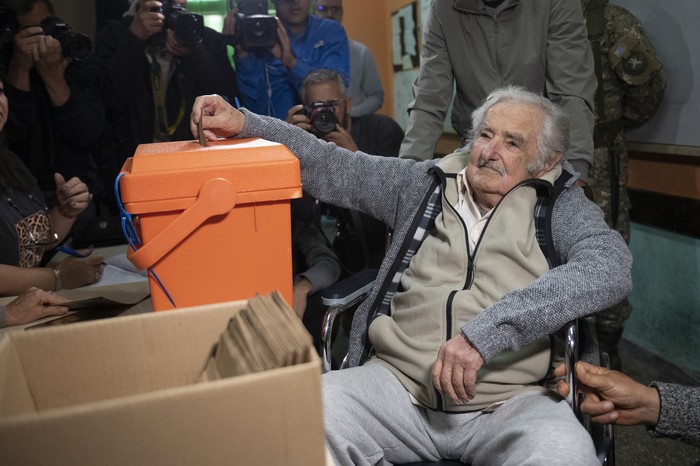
[502,151]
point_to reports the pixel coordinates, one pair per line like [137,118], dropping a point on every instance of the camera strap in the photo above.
[159,87]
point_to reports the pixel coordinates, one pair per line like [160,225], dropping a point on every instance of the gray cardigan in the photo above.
[596,262]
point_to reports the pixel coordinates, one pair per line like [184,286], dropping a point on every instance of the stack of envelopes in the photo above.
[265,335]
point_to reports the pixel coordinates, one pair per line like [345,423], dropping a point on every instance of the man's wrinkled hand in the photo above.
[219,118]
[454,371]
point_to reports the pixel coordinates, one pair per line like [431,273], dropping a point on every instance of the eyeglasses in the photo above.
[330,9]
[132,237]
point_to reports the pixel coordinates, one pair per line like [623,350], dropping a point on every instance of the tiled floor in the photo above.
[633,446]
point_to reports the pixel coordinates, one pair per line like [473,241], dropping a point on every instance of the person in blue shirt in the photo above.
[269,79]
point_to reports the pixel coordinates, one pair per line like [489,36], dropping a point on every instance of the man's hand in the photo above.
[146,22]
[34,304]
[219,119]
[341,138]
[454,371]
[611,397]
[283,49]
[298,119]
[229,29]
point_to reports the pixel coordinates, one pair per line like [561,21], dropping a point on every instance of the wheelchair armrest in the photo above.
[339,297]
[345,291]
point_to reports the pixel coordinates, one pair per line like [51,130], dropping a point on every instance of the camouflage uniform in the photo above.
[631,85]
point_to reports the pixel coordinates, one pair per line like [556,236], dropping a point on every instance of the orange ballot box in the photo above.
[212,223]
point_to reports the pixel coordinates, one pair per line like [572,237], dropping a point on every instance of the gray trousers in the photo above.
[370,420]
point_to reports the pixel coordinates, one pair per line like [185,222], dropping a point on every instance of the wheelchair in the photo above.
[578,336]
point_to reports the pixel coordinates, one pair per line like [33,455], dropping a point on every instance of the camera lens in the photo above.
[78,46]
[323,120]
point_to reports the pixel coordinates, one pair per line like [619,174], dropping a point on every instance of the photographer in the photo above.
[358,239]
[57,114]
[152,70]
[324,96]
[269,78]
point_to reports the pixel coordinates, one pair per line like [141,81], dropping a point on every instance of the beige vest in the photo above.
[434,303]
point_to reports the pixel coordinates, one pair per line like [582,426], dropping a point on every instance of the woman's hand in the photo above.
[77,272]
[72,196]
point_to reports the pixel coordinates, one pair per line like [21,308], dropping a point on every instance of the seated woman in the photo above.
[28,227]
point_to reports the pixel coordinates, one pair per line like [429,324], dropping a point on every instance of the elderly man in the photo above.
[448,352]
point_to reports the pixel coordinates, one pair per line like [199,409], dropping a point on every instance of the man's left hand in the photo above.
[297,118]
[454,371]
[341,138]
[282,50]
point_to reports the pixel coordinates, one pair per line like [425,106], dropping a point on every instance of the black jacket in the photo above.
[127,91]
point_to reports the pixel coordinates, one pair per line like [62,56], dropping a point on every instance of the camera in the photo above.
[9,26]
[322,116]
[188,27]
[74,45]
[255,29]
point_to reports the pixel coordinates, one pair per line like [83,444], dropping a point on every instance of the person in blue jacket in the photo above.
[269,79]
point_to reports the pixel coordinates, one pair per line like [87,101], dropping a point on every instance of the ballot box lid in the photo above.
[170,175]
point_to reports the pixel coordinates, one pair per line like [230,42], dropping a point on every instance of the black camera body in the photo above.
[322,116]
[74,45]
[255,29]
[188,27]
[9,26]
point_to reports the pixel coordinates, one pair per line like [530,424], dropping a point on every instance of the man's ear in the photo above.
[553,162]
[348,104]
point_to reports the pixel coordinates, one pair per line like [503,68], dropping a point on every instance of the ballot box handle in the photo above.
[216,197]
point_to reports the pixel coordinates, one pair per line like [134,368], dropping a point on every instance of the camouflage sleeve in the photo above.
[637,65]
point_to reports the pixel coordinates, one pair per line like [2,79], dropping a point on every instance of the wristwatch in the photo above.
[57,276]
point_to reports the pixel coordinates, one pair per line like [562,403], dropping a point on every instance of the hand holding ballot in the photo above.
[218,118]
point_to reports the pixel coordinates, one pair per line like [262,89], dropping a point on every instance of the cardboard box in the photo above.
[214,222]
[122,391]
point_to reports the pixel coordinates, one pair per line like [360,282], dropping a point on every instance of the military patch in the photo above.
[632,62]
[636,63]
